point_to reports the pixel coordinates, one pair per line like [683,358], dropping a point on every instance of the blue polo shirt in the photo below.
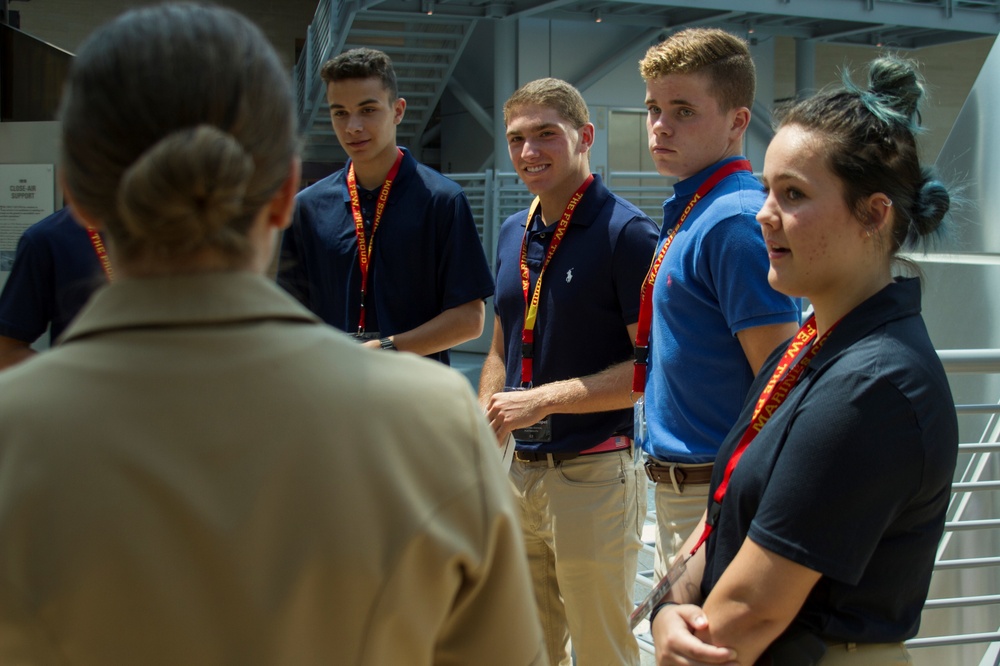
[55,271]
[711,285]
[426,258]
[590,294]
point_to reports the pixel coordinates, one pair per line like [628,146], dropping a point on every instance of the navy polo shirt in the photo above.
[590,294]
[851,476]
[426,257]
[55,271]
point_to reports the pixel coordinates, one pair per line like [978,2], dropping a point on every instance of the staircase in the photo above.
[424,50]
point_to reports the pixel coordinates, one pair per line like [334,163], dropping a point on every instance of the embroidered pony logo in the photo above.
[569,275]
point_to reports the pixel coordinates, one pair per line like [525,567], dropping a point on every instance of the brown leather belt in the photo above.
[694,476]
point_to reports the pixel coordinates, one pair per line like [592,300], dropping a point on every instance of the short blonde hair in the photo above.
[551,93]
[724,57]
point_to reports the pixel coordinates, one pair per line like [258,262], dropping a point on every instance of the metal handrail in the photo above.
[964,361]
[970,360]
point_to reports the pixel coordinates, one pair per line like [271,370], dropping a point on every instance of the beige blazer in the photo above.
[202,473]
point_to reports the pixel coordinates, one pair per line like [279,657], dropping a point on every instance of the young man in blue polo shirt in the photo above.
[56,269]
[715,318]
[386,248]
[568,276]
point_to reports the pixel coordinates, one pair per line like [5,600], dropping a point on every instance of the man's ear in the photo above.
[741,121]
[80,216]
[587,135]
[283,202]
[398,110]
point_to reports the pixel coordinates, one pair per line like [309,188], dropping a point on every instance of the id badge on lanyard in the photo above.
[639,434]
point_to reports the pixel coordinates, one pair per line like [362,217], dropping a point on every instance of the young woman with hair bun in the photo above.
[202,472]
[829,496]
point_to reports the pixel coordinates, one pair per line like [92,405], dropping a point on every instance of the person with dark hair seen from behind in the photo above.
[57,266]
[829,500]
[194,475]
[385,248]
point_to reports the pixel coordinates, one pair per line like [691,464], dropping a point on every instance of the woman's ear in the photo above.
[880,213]
[80,216]
[283,203]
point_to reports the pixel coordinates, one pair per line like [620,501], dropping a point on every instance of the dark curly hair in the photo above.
[870,137]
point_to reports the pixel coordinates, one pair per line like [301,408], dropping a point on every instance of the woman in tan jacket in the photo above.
[202,472]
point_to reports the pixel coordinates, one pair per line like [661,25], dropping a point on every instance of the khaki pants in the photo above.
[582,523]
[677,514]
[870,654]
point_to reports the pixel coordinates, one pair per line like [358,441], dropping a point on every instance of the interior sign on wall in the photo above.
[27,194]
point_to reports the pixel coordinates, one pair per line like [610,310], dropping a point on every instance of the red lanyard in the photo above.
[785,376]
[646,294]
[102,253]
[531,306]
[365,245]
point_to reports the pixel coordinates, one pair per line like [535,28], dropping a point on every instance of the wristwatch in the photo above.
[387,344]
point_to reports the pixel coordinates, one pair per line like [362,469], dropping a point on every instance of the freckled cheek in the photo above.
[815,254]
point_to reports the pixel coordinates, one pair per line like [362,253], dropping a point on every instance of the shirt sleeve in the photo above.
[26,305]
[463,271]
[735,268]
[634,251]
[495,601]
[292,274]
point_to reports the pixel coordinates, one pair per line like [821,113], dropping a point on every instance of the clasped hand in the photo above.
[676,642]
[510,410]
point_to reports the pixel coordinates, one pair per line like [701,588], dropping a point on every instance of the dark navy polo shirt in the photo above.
[590,294]
[55,271]
[851,476]
[427,256]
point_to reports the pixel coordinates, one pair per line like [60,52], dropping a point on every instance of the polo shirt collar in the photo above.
[686,188]
[895,301]
[588,208]
[406,169]
[187,300]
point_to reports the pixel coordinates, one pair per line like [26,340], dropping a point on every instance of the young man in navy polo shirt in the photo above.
[56,269]
[714,315]
[386,248]
[568,276]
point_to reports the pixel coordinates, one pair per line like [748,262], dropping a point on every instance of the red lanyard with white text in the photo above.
[531,306]
[785,376]
[102,253]
[646,294]
[365,245]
